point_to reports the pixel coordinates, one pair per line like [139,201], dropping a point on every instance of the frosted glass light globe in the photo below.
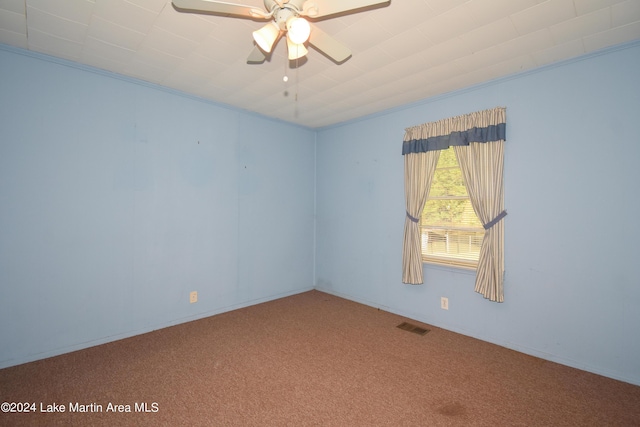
[298,30]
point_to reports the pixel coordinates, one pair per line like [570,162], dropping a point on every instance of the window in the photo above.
[442,229]
[451,233]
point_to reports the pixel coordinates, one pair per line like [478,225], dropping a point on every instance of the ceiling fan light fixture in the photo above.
[298,30]
[287,16]
[296,50]
[266,36]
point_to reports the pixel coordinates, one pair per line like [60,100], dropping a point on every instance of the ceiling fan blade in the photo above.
[328,45]
[256,56]
[323,8]
[220,7]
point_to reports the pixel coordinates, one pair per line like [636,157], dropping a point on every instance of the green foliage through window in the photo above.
[451,231]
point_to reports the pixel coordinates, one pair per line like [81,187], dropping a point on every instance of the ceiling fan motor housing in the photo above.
[297,5]
[281,16]
[283,12]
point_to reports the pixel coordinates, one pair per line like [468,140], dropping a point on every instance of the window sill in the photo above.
[456,268]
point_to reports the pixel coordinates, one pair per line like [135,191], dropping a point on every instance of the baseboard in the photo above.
[510,345]
[129,334]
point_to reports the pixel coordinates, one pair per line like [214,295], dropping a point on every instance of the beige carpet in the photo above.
[311,360]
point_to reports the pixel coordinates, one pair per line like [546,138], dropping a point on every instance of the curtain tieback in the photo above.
[494,221]
[413,219]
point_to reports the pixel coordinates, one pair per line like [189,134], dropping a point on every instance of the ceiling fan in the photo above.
[286,17]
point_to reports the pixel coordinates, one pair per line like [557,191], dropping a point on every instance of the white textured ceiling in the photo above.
[402,53]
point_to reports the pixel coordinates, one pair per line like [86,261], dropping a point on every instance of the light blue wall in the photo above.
[572,177]
[118,198]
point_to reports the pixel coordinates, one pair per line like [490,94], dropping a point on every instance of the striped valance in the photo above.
[481,126]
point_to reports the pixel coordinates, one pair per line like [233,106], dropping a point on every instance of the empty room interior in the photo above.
[152,179]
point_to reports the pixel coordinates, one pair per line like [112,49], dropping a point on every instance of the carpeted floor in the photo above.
[311,359]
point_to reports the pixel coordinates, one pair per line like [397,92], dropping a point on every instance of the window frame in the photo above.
[458,262]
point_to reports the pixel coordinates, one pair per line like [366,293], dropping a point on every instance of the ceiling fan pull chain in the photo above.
[297,83]
[285,78]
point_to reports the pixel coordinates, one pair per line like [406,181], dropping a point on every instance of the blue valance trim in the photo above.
[442,142]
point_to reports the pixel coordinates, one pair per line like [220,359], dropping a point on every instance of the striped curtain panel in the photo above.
[481,166]
[478,139]
[419,169]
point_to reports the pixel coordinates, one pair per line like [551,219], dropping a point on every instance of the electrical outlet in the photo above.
[444,303]
[193,297]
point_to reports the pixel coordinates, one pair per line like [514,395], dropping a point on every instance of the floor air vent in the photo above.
[413,328]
